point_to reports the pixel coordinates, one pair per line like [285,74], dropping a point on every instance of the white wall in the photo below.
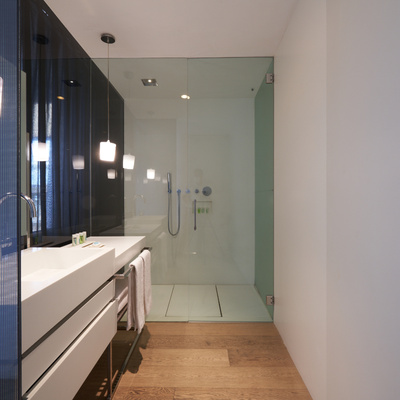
[338,197]
[215,148]
[363,199]
[221,155]
[300,192]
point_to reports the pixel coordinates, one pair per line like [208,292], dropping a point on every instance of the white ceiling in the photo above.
[176,28]
[201,78]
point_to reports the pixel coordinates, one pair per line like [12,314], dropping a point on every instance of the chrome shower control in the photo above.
[206,190]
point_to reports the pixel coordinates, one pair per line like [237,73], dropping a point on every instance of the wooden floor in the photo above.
[199,361]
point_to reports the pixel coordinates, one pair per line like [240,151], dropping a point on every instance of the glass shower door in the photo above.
[205,142]
[220,222]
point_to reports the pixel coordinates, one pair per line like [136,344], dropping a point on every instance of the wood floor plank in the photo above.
[206,361]
[233,329]
[185,357]
[274,355]
[241,394]
[208,342]
[126,393]
[214,377]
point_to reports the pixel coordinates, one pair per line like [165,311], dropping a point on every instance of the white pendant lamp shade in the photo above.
[151,173]
[78,162]
[111,174]
[40,151]
[107,149]
[128,161]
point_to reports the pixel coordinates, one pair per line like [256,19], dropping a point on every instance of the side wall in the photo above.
[363,199]
[300,192]
[337,197]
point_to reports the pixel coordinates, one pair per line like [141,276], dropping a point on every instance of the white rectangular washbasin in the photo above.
[54,281]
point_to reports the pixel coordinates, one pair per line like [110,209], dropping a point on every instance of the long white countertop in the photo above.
[126,247]
[56,280]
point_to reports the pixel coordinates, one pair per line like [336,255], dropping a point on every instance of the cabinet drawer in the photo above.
[37,362]
[65,377]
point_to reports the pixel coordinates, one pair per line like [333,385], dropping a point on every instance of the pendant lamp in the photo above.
[107,149]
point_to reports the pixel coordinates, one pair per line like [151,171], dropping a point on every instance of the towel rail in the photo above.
[126,269]
[123,273]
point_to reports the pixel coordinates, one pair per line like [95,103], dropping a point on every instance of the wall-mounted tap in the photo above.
[31,204]
[32,209]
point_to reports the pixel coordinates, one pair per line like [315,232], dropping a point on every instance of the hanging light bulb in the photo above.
[151,173]
[40,151]
[128,161]
[111,174]
[107,149]
[78,162]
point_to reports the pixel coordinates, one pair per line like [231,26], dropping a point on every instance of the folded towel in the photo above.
[136,316]
[122,299]
[121,293]
[146,257]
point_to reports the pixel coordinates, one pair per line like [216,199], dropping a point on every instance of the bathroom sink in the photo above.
[54,281]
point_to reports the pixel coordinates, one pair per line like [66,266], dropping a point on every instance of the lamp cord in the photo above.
[108,91]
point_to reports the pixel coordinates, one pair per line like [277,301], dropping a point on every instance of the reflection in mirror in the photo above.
[63,100]
[55,121]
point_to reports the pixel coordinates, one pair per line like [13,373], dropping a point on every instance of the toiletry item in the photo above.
[75,239]
[80,237]
[84,236]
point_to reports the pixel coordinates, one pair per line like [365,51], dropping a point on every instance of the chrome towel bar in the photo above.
[126,269]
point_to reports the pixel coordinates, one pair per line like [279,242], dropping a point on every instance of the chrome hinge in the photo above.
[269,78]
[270,300]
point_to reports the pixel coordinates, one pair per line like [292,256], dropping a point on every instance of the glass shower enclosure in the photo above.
[191,126]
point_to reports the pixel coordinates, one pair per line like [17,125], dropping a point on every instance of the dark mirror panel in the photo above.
[107,177]
[65,105]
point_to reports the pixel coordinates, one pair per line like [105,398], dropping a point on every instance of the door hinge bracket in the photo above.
[270,300]
[269,78]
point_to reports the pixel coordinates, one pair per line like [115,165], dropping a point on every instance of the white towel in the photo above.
[121,293]
[146,257]
[136,316]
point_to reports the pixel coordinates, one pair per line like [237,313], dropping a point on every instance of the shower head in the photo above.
[169,182]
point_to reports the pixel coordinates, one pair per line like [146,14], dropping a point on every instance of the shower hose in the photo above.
[170,212]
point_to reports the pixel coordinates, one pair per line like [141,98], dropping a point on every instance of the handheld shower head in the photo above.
[169,182]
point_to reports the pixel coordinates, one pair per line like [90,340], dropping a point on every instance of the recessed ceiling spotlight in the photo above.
[150,82]
[40,39]
[71,82]
[185,97]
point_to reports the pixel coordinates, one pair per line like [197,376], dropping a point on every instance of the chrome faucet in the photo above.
[31,204]
[32,209]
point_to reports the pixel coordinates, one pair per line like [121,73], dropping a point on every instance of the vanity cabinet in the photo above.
[85,334]
[67,374]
